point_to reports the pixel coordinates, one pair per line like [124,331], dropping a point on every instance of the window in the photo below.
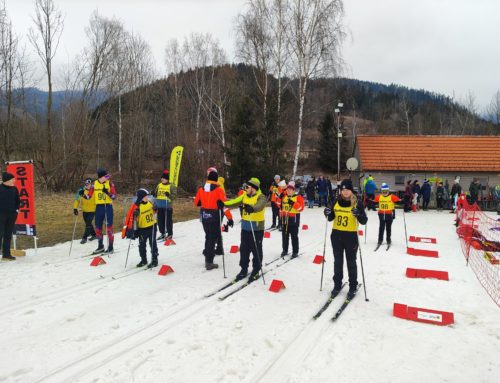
[399,180]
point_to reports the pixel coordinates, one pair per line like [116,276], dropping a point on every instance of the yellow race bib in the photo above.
[344,220]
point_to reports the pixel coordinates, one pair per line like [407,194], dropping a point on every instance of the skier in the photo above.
[164,194]
[210,198]
[88,210]
[425,191]
[219,250]
[105,193]
[346,212]
[386,213]
[9,207]
[291,204]
[141,223]
[274,192]
[252,228]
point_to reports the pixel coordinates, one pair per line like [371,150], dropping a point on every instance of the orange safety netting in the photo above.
[480,240]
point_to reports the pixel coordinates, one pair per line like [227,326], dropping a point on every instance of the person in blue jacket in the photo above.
[322,186]
[370,189]
[425,191]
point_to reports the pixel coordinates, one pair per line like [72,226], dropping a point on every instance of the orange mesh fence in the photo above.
[480,240]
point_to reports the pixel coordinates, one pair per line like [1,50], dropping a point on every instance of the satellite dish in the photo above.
[352,164]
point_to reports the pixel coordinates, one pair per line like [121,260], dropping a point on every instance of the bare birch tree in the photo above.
[174,63]
[49,24]
[315,33]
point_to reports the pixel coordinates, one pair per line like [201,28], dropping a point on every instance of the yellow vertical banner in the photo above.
[175,164]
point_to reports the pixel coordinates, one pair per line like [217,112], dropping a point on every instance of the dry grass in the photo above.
[55,219]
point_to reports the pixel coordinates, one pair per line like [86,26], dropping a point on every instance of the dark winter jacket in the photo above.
[440,192]
[455,189]
[322,185]
[474,191]
[311,189]
[415,189]
[426,190]
[9,199]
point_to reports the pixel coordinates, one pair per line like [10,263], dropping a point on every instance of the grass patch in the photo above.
[55,219]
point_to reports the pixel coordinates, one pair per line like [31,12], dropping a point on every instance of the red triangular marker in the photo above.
[305,227]
[97,261]
[267,234]
[169,242]
[276,286]
[234,249]
[165,269]
[318,259]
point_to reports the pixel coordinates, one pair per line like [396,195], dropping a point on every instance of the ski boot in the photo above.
[99,250]
[142,263]
[211,265]
[153,263]
[241,275]
[84,240]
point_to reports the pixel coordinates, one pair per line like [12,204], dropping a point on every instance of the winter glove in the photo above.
[327,211]
[75,211]
[230,223]
[81,192]
[167,194]
[249,209]
[220,204]
[129,233]
[355,212]
[105,191]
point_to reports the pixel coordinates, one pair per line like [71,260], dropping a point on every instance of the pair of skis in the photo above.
[342,307]
[245,284]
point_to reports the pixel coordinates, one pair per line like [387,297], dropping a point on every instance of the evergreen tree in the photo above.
[327,156]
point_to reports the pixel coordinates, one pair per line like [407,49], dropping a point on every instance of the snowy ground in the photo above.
[64,321]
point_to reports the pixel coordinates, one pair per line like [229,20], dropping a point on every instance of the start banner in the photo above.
[25,183]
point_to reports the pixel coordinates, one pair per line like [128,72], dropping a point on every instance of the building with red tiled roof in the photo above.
[396,159]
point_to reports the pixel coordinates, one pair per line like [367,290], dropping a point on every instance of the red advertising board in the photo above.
[25,183]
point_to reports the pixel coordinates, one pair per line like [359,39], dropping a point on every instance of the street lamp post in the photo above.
[339,135]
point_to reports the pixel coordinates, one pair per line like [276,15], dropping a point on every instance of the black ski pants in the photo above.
[165,221]
[247,246]
[212,234]
[287,232]
[147,234]
[89,228]
[425,202]
[276,214]
[7,222]
[439,203]
[344,242]
[385,225]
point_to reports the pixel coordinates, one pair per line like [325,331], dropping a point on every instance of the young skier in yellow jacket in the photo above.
[88,210]
[386,213]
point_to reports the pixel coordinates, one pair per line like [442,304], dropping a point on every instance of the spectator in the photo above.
[425,191]
[408,196]
[322,187]
[416,190]
[440,196]
[474,188]
[9,207]
[311,192]
[370,189]
[456,190]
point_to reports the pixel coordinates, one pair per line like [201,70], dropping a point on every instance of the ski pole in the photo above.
[362,270]
[406,234]
[324,250]
[366,230]
[222,243]
[128,250]
[74,228]
[257,251]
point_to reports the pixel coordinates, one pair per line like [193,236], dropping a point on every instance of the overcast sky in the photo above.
[446,46]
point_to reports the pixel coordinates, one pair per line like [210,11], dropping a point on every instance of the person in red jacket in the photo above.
[210,198]
[290,204]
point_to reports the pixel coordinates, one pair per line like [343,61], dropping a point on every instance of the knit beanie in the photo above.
[212,176]
[346,184]
[7,176]
[141,193]
[165,174]
[254,182]
[101,172]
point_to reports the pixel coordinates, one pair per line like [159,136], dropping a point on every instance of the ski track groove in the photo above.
[193,308]
[295,351]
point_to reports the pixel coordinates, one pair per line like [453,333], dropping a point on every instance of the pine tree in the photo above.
[327,156]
